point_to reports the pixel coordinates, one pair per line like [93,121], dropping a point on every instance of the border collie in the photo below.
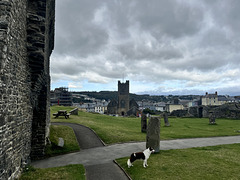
[140,155]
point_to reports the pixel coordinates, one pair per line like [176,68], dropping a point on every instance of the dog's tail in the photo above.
[128,163]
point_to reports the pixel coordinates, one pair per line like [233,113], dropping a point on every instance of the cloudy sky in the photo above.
[161,46]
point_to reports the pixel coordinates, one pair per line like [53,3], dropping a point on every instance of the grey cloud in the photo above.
[215,38]
[226,13]
[171,18]
[76,33]
[140,51]
[151,41]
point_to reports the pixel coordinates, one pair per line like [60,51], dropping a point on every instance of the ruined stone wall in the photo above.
[15,106]
[40,41]
[229,110]
[24,81]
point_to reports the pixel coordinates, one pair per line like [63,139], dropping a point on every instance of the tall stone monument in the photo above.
[153,134]
[212,118]
[166,122]
[143,123]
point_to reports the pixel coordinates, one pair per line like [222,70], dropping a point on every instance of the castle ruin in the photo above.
[26,43]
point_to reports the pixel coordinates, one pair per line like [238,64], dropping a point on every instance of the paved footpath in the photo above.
[99,160]
[88,139]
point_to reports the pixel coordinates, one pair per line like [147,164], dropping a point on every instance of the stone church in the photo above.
[123,106]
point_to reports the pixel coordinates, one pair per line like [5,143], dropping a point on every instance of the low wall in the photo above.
[230,110]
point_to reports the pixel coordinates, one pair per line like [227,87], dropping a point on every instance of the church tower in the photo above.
[123,98]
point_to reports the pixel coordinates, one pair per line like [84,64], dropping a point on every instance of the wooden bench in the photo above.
[61,113]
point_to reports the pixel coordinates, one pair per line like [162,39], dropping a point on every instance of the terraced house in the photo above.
[213,99]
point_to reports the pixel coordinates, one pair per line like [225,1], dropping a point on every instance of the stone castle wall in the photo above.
[26,42]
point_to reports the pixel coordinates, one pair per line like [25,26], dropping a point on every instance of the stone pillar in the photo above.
[165,116]
[153,134]
[143,123]
[212,118]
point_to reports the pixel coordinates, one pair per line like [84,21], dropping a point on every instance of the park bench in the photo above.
[61,113]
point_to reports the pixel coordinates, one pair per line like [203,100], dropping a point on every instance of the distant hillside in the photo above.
[109,95]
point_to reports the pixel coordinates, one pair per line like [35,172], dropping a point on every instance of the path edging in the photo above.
[122,170]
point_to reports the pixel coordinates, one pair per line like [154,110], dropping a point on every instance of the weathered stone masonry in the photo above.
[26,43]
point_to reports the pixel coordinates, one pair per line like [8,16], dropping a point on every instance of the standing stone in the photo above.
[60,142]
[165,116]
[153,134]
[144,123]
[212,118]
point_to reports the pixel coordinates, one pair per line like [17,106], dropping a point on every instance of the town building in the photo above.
[160,106]
[61,96]
[172,107]
[98,106]
[215,99]
[101,107]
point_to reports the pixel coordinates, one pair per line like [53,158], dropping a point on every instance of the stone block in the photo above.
[60,142]
[153,134]
[3,25]
[74,111]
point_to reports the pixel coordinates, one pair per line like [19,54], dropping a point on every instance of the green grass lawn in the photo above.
[66,172]
[122,129]
[73,172]
[216,162]
[70,141]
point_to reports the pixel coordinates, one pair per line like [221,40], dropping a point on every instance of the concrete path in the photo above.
[87,139]
[106,154]
[100,159]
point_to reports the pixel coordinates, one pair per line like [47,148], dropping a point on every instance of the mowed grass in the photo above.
[216,162]
[110,129]
[123,129]
[73,172]
[70,141]
[66,172]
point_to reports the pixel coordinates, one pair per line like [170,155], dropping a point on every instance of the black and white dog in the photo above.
[140,155]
